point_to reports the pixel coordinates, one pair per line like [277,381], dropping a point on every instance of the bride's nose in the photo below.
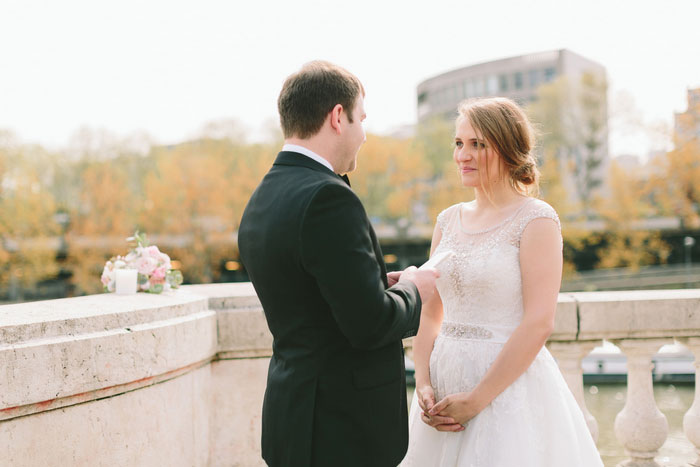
[464,154]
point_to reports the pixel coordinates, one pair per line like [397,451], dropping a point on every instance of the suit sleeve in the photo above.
[337,251]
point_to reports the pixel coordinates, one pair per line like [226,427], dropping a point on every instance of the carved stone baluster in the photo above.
[640,426]
[569,356]
[691,420]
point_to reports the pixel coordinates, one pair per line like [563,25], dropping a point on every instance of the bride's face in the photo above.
[479,165]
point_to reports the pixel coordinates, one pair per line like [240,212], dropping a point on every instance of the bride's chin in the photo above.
[469,183]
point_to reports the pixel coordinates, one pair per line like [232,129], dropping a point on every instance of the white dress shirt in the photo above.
[308,153]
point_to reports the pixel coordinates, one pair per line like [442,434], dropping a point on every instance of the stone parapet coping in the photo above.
[57,353]
[638,314]
[243,331]
[23,322]
[63,352]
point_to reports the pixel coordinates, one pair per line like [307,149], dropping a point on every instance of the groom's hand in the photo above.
[424,279]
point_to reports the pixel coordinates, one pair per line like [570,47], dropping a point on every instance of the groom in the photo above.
[336,384]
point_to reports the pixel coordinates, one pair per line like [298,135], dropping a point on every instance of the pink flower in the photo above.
[158,276]
[152,251]
[145,265]
[165,260]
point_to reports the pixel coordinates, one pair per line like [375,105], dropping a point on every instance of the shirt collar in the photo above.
[308,153]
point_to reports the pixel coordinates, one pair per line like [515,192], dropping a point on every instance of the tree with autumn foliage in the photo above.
[628,244]
[27,224]
[390,178]
[104,216]
[675,183]
[194,199]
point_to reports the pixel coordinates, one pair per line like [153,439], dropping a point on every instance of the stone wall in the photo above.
[177,379]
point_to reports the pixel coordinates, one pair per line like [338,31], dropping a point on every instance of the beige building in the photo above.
[687,124]
[516,77]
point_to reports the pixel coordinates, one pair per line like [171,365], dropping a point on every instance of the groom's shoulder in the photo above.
[332,188]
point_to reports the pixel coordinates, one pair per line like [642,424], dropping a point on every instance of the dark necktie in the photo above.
[345,179]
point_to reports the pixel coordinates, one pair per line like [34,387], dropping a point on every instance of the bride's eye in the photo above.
[478,145]
[459,144]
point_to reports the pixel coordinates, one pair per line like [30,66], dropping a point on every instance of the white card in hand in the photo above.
[436,260]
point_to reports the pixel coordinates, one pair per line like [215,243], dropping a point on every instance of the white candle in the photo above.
[126,281]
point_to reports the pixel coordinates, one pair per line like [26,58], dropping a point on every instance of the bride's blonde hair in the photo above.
[506,128]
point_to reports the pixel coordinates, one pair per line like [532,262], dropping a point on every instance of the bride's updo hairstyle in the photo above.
[506,128]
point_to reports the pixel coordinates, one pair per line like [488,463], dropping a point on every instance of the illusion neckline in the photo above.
[495,226]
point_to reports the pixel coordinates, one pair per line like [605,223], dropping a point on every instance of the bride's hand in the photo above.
[461,407]
[426,396]
[426,401]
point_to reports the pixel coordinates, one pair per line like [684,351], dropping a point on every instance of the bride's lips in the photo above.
[465,170]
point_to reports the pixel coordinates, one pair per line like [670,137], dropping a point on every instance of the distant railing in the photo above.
[178,379]
[677,276]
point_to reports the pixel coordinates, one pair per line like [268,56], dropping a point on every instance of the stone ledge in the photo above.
[103,348]
[92,313]
[243,331]
[566,320]
[227,296]
[639,314]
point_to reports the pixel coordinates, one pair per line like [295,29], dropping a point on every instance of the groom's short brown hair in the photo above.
[310,94]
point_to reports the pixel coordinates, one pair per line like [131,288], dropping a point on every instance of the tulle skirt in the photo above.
[535,422]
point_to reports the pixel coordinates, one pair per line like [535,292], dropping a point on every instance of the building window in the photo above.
[479,87]
[469,88]
[549,74]
[503,83]
[454,93]
[492,85]
[534,78]
[518,80]
[422,97]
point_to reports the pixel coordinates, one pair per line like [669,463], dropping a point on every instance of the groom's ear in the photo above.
[335,114]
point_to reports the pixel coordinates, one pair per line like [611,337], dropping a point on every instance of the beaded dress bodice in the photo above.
[481,284]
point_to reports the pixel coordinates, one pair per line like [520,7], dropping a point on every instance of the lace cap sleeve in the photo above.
[443,219]
[538,210]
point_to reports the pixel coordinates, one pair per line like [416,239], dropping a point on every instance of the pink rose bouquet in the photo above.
[155,274]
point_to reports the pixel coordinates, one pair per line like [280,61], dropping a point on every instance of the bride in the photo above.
[488,393]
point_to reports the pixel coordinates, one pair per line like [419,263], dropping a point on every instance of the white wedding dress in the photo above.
[536,421]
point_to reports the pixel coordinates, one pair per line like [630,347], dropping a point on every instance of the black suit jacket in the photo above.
[336,391]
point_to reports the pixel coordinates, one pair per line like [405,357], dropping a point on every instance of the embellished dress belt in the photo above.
[485,332]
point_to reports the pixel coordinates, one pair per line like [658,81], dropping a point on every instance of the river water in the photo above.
[605,401]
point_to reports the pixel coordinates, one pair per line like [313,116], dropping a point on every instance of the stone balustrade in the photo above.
[639,323]
[177,379]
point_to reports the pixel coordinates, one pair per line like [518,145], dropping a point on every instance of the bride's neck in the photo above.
[501,196]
